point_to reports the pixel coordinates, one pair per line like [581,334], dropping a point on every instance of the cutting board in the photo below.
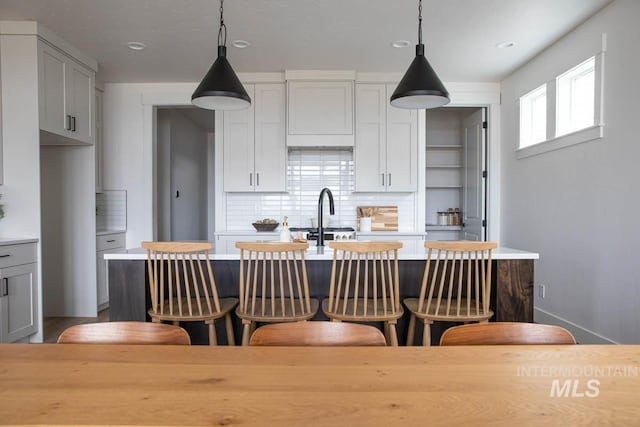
[383,218]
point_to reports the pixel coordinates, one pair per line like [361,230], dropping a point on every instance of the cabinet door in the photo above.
[402,148]
[371,134]
[270,147]
[18,302]
[52,70]
[238,147]
[320,108]
[80,101]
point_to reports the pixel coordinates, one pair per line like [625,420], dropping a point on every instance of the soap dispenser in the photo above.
[285,235]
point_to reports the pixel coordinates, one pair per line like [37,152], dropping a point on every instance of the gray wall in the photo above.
[576,205]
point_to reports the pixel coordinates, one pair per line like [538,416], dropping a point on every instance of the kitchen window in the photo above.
[576,97]
[564,111]
[533,117]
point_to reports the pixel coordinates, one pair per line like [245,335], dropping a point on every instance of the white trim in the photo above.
[319,75]
[368,77]
[275,77]
[33,28]
[573,138]
[582,335]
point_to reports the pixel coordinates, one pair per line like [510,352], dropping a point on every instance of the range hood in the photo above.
[320,108]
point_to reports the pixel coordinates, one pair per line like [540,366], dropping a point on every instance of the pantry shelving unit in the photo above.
[444,169]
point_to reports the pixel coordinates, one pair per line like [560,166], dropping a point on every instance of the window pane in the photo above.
[533,117]
[576,97]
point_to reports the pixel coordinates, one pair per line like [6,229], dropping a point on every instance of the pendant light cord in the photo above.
[420,22]
[222,36]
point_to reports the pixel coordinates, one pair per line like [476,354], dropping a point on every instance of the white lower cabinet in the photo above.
[18,292]
[106,243]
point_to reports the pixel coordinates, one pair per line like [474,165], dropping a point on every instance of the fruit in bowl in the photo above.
[266,224]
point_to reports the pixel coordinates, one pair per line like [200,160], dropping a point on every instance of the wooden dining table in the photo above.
[319,386]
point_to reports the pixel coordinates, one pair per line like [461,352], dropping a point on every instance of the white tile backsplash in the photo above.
[308,172]
[111,210]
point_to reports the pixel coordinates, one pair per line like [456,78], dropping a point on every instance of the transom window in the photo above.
[564,111]
[533,117]
[576,97]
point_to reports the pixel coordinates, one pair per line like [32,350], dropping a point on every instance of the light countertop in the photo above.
[103,232]
[411,250]
[4,241]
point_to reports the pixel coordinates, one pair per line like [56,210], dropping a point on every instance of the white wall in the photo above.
[68,231]
[576,206]
[128,151]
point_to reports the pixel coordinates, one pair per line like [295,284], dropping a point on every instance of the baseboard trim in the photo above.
[582,335]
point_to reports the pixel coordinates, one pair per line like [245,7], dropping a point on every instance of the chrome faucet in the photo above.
[332,211]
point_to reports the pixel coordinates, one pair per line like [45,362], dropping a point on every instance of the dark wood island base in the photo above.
[511,292]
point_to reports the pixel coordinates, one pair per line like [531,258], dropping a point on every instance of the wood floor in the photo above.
[53,326]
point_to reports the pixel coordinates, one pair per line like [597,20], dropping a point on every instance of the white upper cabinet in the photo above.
[386,148]
[255,155]
[320,113]
[66,91]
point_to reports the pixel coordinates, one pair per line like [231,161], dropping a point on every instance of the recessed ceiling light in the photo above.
[240,44]
[399,44]
[136,45]
[505,45]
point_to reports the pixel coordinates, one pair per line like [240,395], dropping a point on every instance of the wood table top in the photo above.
[317,386]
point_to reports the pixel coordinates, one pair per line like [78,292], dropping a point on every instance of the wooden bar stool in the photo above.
[365,285]
[273,285]
[456,288]
[183,288]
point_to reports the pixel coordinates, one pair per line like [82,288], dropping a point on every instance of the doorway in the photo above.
[184,165]
[456,173]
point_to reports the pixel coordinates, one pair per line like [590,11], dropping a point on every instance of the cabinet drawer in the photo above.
[11,255]
[110,241]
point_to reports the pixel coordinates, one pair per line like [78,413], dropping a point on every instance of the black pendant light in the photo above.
[221,89]
[420,87]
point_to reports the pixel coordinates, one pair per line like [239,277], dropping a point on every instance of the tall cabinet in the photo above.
[386,144]
[254,149]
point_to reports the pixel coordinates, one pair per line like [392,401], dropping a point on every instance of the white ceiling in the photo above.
[181,35]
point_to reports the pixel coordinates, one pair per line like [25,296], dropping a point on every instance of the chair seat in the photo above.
[278,315]
[471,315]
[226,305]
[371,315]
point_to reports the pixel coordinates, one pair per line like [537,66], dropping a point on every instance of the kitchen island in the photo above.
[511,282]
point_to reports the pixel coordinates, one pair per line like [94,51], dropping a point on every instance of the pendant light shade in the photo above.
[220,89]
[420,88]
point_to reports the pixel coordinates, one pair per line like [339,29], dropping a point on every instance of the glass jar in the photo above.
[443,218]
